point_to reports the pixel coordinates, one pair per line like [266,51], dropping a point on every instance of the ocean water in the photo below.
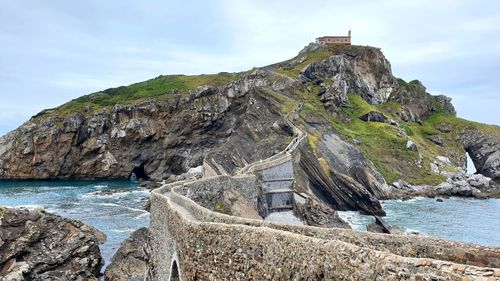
[460,219]
[117,215]
[456,218]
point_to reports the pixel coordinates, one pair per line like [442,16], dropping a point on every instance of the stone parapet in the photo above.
[212,246]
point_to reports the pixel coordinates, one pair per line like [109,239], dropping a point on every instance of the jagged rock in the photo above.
[393,122]
[130,261]
[360,70]
[417,104]
[162,139]
[410,145]
[338,190]
[346,159]
[315,213]
[444,128]
[379,226]
[35,245]
[446,105]
[373,116]
[436,139]
[484,152]
[479,181]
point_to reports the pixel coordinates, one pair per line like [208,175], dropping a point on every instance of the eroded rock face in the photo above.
[315,213]
[484,152]
[373,116]
[35,245]
[363,71]
[336,189]
[131,260]
[417,104]
[152,139]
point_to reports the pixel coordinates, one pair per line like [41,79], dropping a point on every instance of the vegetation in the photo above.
[160,88]
[222,207]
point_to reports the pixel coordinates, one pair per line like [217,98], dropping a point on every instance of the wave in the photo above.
[143,215]
[122,230]
[124,207]
[118,194]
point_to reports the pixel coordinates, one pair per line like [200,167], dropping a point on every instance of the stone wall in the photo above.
[212,246]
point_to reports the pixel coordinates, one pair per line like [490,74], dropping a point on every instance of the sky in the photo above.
[52,51]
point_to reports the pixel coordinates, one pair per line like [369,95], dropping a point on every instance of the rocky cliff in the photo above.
[35,245]
[170,125]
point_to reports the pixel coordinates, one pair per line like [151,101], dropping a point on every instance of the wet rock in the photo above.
[130,261]
[439,199]
[108,192]
[374,116]
[35,245]
[379,226]
[150,184]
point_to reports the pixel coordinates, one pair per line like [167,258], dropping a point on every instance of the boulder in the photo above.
[130,261]
[35,245]
[436,139]
[410,145]
[443,128]
[479,181]
[374,116]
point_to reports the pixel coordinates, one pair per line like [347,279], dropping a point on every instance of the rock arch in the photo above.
[484,151]
[174,272]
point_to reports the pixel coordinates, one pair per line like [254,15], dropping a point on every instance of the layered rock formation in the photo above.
[131,260]
[151,139]
[35,245]
[363,71]
[165,128]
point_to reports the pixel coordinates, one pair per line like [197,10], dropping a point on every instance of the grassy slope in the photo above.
[161,88]
[382,143]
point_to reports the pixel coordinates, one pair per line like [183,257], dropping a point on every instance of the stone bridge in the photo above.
[191,242]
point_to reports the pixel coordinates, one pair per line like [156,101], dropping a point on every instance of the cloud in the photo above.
[58,50]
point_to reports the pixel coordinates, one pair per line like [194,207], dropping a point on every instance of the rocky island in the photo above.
[329,130]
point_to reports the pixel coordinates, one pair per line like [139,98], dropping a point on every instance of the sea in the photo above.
[119,214]
[456,218]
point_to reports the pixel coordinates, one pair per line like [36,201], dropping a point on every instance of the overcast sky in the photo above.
[54,50]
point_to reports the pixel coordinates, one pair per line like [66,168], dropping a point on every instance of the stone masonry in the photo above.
[190,242]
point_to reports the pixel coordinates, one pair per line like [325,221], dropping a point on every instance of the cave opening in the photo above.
[138,173]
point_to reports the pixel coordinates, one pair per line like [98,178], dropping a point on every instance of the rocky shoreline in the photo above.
[457,184]
[36,245]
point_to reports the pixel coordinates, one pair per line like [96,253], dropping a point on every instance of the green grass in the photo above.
[314,56]
[160,88]
[381,143]
[223,208]
[287,104]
